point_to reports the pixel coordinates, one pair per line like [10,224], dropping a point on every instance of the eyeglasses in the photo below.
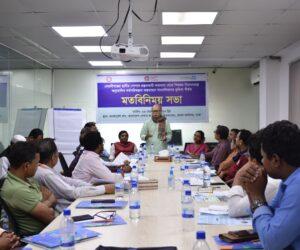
[107,215]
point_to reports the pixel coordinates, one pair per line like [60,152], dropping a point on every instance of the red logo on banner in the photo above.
[108,79]
[146,78]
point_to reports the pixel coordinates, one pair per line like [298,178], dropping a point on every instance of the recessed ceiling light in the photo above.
[106,63]
[177,54]
[90,49]
[188,18]
[80,31]
[182,39]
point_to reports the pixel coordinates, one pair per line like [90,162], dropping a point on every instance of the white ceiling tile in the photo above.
[259,4]
[58,5]
[288,17]
[12,6]
[236,29]
[20,20]
[247,17]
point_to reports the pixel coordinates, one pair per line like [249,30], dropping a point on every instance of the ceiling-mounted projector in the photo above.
[127,52]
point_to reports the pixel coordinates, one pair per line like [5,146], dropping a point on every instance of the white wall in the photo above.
[233,101]
[27,89]
[295,92]
[275,85]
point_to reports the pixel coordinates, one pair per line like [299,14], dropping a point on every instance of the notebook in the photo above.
[52,239]
[115,205]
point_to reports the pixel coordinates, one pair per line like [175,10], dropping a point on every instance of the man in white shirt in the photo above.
[4,162]
[238,202]
[65,189]
[90,167]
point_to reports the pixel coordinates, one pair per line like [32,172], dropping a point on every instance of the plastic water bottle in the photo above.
[134,177]
[141,169]
[177,155]
[201,243]
[67,230]
[171,179]
[186,172]
[202,158]
[185,187]
[152,149]
[134,202]
[119,185]
[206,176]
[188,213]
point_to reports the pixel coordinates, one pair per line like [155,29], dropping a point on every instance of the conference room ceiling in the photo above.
[243,32]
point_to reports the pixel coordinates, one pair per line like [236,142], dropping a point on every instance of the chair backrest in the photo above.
[211,145]
[176,137]
[64,165]
[10,216]
[186,144]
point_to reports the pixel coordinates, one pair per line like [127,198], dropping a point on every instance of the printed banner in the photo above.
[129,98]
[3,99]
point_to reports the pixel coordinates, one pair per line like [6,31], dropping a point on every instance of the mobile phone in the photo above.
[82,217]
[217,183]
[103,201]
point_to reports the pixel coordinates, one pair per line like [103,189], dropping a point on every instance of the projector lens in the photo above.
[122,50]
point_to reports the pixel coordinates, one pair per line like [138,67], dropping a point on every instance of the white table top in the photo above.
[160,223]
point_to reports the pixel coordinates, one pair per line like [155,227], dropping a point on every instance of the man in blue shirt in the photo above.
[277,223]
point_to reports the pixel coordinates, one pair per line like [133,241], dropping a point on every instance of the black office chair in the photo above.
[211,145]
[64,165]
[185,145]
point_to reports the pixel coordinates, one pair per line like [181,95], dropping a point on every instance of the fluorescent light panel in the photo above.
[177,54]
[182,39]
[106,63]
[80,31]
[188,18]
[91,49]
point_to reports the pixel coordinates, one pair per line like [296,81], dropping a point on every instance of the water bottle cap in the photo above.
[140,158]
[67,212]
[200,235]
[186,182]
[188,192]
[186,167]
[134,166]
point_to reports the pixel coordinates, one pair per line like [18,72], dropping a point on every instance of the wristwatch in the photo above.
[258,203]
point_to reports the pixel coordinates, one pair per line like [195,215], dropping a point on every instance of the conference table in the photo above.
[160,223]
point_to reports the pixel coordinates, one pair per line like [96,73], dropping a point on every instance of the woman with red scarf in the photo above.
[123,146]
[198,147]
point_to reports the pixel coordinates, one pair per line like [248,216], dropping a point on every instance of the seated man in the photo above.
[277,223]
[4,162]
[222,150]
[90,167]
[241,158]
[112,167]
[64,188]
[229,160]
[35,135]
[123,146]
[238,202]
[30,205]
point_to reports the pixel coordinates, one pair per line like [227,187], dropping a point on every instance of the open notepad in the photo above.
[52,239]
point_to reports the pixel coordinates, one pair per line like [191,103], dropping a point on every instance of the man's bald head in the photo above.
[156,111]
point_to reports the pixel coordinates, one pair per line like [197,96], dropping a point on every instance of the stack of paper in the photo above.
[148,184]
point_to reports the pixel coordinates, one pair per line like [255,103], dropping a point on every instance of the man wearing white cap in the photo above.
[4,163]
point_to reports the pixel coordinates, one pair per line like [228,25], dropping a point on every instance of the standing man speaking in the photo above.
[156,131]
